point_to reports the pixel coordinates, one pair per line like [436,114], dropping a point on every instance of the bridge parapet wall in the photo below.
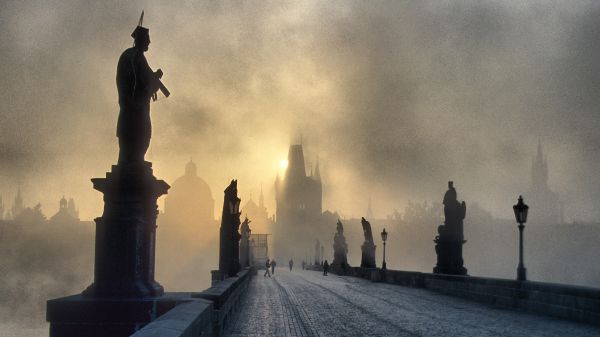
[207,315]
[580,304]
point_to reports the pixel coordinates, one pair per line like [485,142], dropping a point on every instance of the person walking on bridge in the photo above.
[267,266]
[273,264]
[291,264]
[325,268]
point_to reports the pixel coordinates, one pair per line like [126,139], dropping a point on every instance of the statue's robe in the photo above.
[135,84]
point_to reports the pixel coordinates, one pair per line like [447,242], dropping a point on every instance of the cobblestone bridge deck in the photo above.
[305,303]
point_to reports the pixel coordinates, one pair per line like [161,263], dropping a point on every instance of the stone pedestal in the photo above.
[126,233]
[80,316]
[244,252]
[449,242]
[229,236]
[124,294]
[368,255]
[449,257]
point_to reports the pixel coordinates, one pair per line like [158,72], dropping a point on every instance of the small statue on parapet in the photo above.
[368,246]
[340,249]
[450,240]
[245,243]
[229,250]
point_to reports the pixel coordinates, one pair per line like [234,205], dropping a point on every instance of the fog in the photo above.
[392,98]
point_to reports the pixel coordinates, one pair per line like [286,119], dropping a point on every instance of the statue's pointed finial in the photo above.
[139,30]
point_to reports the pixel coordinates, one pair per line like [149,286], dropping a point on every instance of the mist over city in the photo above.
[322,111]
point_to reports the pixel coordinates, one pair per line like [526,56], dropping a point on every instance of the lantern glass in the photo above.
[384,235]
[521,210]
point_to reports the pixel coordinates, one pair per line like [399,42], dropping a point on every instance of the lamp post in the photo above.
[384,235]
[521,216]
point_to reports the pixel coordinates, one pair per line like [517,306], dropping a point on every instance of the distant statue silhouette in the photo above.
[229,250]
[340,248]
[367,230]
[368,246]
[245,243]
[450,240]
[136,84]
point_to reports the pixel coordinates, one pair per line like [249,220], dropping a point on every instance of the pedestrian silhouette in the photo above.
[291,264]
[325,268]
[273,264]
[267,265]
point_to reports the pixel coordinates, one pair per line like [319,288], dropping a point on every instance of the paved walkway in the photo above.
[305,303]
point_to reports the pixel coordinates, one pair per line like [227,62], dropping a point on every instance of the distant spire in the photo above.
[317,174]
[369,210]
[261,198]
[190,169]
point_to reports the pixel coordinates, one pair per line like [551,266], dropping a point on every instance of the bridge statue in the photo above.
[126,231]
[449,242]
[368,247]
[340,249]
[245,243]
[229,250]
[136,85]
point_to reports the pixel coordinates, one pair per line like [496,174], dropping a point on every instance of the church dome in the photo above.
[190,197]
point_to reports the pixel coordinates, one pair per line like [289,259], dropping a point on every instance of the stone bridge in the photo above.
[125,299]
[369,303]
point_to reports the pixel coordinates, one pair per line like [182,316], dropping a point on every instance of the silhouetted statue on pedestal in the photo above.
[124,294]
[368,247]
[245,243]
[340,248]
[450,240]
[136,84]
[229,252]
[125,234]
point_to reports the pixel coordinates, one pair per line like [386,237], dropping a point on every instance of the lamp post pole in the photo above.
[521,271]
[521,210]
[384,235]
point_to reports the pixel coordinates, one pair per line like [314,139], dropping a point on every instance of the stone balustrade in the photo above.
[207,314]
[580,304]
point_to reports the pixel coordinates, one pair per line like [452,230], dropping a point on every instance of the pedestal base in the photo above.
[126,233]
[449,258]
[79,316]
[368,256]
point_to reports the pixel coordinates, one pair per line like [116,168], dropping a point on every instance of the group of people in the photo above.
[270,264]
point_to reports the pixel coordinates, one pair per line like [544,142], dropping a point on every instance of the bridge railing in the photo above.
[580,304]
[208,314]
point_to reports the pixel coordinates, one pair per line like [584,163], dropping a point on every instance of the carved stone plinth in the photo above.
[449,242]
[368,255]
[126,233]
[449,257]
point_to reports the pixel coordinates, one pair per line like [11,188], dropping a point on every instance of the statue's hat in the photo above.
[139,30]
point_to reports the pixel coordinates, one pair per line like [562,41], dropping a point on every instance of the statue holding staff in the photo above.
[136,84]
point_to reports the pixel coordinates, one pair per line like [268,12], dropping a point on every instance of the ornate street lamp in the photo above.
[521,216]
[384,235]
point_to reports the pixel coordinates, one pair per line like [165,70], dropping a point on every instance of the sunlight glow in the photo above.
[283,164]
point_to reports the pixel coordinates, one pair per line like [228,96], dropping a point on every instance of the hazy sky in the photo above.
[393,97]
